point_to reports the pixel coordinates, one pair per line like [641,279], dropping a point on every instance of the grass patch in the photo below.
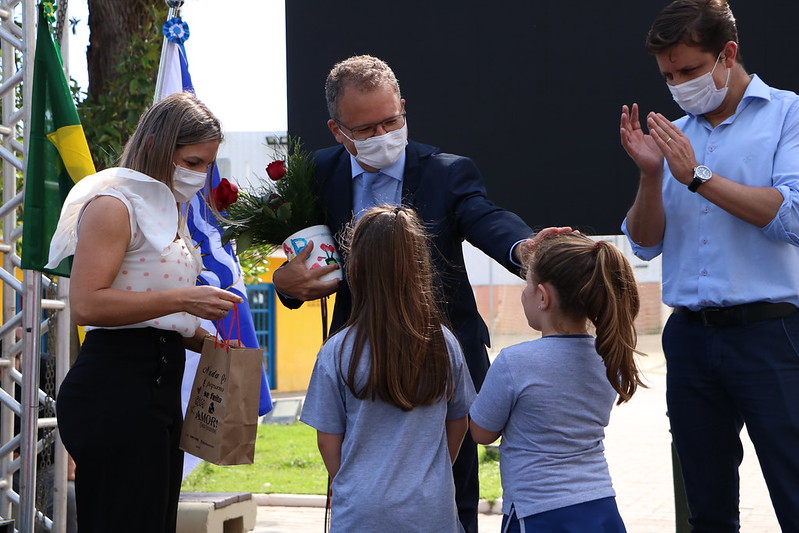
[287,461]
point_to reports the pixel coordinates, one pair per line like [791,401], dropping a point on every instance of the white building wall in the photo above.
[243,156]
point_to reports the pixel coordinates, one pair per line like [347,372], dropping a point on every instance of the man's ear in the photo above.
[729,54]
[334,129]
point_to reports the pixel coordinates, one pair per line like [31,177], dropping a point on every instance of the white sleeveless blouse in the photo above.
[155,259]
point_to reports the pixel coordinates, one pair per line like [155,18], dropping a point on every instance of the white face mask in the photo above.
[186,183]
[700,96]
[381,151]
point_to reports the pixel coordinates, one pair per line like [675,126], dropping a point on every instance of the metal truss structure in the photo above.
[31,309]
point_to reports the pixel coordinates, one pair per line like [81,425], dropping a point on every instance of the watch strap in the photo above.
[694,185]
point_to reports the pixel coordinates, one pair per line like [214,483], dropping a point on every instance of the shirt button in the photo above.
[162,339]
[158,380]
[704,272]
[706,209]
[711,148]
[704,241]
[163,359]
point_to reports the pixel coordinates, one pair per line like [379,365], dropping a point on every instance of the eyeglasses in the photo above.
[361,133]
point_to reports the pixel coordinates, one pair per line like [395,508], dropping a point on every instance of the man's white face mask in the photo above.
[381,151]
[699,95]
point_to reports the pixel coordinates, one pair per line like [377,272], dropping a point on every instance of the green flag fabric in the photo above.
[58,154]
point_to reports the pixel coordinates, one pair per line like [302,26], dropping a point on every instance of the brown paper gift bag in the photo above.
[222,416]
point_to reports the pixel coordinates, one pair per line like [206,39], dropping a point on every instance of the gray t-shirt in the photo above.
[395,470]
[551,400]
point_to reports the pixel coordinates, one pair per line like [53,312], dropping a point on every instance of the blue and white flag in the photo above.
[220,266]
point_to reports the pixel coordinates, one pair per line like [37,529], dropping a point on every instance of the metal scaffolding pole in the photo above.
[20,357]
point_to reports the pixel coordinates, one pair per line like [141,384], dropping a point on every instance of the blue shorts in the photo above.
[597,516]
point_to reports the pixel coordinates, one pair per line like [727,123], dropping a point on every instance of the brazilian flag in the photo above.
[58,154]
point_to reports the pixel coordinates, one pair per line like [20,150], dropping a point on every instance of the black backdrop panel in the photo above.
[532,91]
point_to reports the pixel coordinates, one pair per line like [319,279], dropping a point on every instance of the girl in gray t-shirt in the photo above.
[390,392]
[551,398]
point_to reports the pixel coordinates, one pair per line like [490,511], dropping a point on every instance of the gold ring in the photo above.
[668,140]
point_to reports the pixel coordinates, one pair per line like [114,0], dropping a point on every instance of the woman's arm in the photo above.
[330,448]
[103,238]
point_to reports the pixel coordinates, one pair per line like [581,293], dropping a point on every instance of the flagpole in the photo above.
[174,11]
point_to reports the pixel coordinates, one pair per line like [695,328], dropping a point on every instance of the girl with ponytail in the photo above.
[550,399]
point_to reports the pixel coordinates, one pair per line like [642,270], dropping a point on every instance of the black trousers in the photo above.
[120,417]
[467,483]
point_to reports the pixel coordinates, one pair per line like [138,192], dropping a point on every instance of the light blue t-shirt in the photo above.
[710,257]
[395,473]
[551,401]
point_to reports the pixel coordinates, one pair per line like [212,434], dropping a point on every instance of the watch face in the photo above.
[703,173]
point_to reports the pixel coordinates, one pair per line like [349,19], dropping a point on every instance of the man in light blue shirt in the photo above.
[719,197]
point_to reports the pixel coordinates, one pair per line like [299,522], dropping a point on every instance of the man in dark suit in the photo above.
[374,164]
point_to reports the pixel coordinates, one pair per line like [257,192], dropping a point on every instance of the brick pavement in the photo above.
[639,454]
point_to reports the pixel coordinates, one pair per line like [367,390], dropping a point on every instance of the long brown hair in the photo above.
[394,311]
[595,281]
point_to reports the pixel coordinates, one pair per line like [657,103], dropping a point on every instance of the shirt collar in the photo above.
[393,171]
[757,88]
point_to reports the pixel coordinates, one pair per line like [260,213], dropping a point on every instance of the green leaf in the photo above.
[228,234]
[243,242]
[284,212]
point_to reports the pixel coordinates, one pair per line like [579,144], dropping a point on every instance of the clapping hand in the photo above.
[642,148]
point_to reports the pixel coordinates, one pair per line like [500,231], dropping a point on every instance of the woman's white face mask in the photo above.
[186,183]
[699,95]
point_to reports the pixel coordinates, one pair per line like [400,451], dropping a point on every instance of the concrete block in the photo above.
[216,512]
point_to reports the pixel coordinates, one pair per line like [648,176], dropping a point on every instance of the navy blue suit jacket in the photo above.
[448,193]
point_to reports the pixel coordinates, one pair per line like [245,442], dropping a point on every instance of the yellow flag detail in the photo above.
[71,145]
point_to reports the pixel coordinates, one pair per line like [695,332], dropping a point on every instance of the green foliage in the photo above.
[110,119]
[253,266]
[265,217]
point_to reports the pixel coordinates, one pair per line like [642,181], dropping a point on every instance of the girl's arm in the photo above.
[330,448]
[483,436]
[456,430]
[103,239]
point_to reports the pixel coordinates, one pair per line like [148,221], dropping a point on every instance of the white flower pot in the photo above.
[324,249]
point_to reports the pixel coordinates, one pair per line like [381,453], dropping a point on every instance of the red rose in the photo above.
[276,169]
[224,194]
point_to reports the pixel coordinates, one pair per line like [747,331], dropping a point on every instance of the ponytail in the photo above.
[595,282]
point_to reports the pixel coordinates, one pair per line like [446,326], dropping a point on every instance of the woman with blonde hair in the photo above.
[133,287]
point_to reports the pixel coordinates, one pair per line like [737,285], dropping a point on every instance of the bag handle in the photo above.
[225,339]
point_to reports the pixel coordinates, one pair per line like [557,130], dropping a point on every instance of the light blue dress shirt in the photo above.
[711,258]
[385,185]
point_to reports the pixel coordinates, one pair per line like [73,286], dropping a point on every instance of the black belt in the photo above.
[737,315]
